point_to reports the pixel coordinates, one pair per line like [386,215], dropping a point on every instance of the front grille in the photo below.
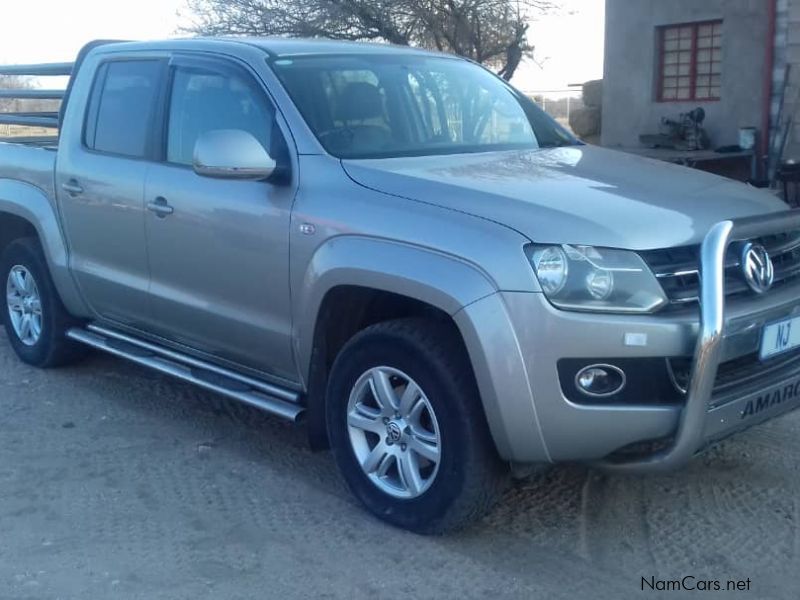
[678,269]
[738,373]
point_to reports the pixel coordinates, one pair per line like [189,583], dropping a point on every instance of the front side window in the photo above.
[690,62]
[121,110]
[385,105]
[203,101]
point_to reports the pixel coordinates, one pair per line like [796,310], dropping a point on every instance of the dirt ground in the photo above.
[116,482]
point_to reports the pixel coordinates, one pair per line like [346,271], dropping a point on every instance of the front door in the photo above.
[219,249]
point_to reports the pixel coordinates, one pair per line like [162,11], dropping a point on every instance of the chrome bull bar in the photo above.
[689,438]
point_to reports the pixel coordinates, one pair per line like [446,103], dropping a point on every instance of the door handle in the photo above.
[72,187]
[160,207]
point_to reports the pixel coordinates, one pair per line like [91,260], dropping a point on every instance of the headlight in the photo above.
[596,279]
[552,269]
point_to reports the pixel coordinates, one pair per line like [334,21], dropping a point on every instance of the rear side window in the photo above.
[121,108]
[203,101]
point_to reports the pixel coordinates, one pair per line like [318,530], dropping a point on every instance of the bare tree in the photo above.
[12,82]
[492,32]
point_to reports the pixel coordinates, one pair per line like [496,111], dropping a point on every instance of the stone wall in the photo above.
[586,121]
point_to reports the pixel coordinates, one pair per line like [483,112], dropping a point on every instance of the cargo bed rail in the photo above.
[21,116]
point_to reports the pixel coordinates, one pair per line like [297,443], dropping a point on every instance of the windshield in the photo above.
[381,106]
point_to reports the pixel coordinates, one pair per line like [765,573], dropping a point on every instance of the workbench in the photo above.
[696,158]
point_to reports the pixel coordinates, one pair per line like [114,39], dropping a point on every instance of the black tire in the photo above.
[470,474]
[53,348]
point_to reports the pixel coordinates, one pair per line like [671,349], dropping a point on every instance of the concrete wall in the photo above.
[629,102]
[787,52]
[792,40]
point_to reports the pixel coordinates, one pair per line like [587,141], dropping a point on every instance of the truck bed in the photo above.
[32,162]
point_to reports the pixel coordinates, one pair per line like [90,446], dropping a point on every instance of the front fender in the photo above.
[28,202]
[454,286]
[444,281]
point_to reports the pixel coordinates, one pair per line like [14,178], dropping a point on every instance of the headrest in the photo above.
[358,101]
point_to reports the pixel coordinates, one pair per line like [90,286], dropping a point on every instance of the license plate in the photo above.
[780,337]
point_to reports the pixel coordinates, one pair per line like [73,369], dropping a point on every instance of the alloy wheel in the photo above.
[393,432]
[24,305]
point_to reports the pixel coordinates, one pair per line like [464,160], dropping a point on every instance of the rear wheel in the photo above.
[34,317]
[407,428]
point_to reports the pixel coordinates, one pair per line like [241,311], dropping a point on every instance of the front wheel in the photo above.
[407,428]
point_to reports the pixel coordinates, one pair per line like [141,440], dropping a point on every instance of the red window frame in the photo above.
[690,62]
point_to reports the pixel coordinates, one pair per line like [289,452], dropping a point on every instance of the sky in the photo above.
[569,43]
[568,47]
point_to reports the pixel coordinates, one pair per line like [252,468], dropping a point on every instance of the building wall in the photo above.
[787,52]
[631,63]
[792,41]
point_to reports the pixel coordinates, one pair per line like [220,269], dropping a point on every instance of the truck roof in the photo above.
[278,47]
[272,46]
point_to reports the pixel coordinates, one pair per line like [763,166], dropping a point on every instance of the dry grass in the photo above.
[11,131]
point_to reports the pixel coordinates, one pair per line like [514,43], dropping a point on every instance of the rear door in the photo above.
[100,185]
[219,254]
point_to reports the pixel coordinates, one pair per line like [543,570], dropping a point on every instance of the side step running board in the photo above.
[260,394]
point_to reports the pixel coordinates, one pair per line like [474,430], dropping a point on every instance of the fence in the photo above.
[559,104]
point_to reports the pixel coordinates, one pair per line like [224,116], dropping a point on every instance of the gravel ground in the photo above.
[116,482]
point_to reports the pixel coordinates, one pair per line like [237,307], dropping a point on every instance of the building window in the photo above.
[690,62]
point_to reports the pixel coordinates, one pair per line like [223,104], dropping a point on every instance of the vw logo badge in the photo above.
[394,432]
[759,272]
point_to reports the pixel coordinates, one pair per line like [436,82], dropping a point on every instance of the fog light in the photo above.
[600,380]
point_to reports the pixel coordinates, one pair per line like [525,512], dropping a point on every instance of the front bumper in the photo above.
[516,360]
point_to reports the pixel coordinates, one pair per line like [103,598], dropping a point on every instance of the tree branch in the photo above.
[493,32]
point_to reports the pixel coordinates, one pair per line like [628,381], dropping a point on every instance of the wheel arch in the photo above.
[26,211]
[354,282]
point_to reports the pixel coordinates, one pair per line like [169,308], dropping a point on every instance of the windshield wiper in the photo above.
[561,144]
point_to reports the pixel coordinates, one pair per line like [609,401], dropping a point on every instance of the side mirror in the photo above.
[231,154]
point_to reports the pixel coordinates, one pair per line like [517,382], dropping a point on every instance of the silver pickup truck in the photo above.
[401,248]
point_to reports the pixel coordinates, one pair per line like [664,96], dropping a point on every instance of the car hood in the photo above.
[573,195]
